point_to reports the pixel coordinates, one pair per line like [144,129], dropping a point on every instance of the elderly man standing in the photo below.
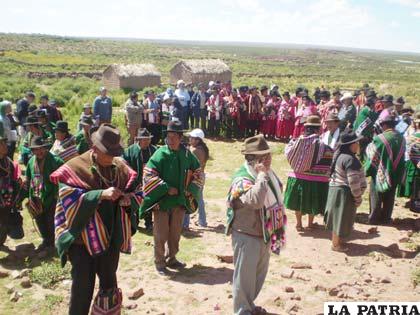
[332,136]
[93,221]
[348,112]
[184,98]
[172,180]
[133,116]
[256,219]
[102,107]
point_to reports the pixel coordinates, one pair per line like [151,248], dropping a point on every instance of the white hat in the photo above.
[345,96]
[166,97]
[180,82]
[197,133]
[211,83]
[102,88]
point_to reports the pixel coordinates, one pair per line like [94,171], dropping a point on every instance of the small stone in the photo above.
[230,296]
[404,240]
[319,287]
[301,266]
[15,274]
[328,271]
[333,292]
[131,306]
[292,308]
[217,307]
[205,299]
[15,296]
[289,289]
[373,230]
[4,273]
[225,259]
[10,288]
[136,294]
[26,283]
[287,273]
[385,280]
[303,278]
[295,297]
[367,279]
[148,243]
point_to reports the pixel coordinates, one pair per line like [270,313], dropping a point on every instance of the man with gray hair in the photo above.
[256,219]
[102,107]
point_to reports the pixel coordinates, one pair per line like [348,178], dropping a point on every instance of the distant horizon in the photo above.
[253,44]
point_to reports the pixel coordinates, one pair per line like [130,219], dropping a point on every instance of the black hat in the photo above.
[133,94]
[264,88]
[408,109]
[256,145]
[388,98]
[62,126]
[357,92]
[39,142]
[175,126]
[252,88]
[324,93]
[86,121]
[108,140]
[349,138]
[336,92]
[44,97]
[371,93]
[400,100]
[243,88]
[52,102]
[31,120]
[365,86]
[143,134]
[286,93]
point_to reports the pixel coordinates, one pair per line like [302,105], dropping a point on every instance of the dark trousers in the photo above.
[83,272]
[11,148]
[203,119]
[183,116]
[156,131]
[232,128]
[214,127]
[381,204]
[45,223]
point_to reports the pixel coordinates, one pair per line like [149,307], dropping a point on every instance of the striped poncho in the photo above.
[82,215]
[65,149]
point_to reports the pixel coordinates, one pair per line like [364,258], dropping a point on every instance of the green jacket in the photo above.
[49,191]
[137,159]
[82,144]
[168,168]
[379,157]
[366,129]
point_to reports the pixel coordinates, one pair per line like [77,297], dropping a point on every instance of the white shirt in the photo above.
[334,141]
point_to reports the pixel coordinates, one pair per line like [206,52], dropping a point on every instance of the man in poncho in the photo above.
[385,164]
[42,192]
[65,144]
[137,155]
[172,180]
[82,138]
[256,219]
[93,221]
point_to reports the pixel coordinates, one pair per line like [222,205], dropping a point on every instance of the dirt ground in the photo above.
[378,267]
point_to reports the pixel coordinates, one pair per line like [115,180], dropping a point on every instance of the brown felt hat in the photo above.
[332,117]
[256,145]
[108,140]
[313,120]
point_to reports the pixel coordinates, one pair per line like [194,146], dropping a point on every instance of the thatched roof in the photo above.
[134,70]
[205,65]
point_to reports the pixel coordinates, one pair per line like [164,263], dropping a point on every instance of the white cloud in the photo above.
[407,3]
[416,14]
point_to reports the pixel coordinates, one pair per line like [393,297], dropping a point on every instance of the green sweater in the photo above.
[82,144]
[49,191]
[165,169]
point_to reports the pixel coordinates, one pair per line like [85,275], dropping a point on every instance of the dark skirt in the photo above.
[305,196]
[340,211]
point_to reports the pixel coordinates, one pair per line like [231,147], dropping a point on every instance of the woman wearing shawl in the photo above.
[65,144]
[6,127]
[285,118]
[346,188]
[307,184]
[307,109]
[256,219]
[268,120]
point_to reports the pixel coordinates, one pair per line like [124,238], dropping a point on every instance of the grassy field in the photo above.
[205,283]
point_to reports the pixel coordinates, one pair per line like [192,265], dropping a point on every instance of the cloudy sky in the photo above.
[378,24]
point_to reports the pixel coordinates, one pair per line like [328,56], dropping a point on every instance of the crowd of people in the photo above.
[87,192]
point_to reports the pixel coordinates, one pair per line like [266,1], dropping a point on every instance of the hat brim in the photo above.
[144,137]
[46,145]
[262,152]
[350,142]
[31,123]
[115,152]
[312,125]
[335,120]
